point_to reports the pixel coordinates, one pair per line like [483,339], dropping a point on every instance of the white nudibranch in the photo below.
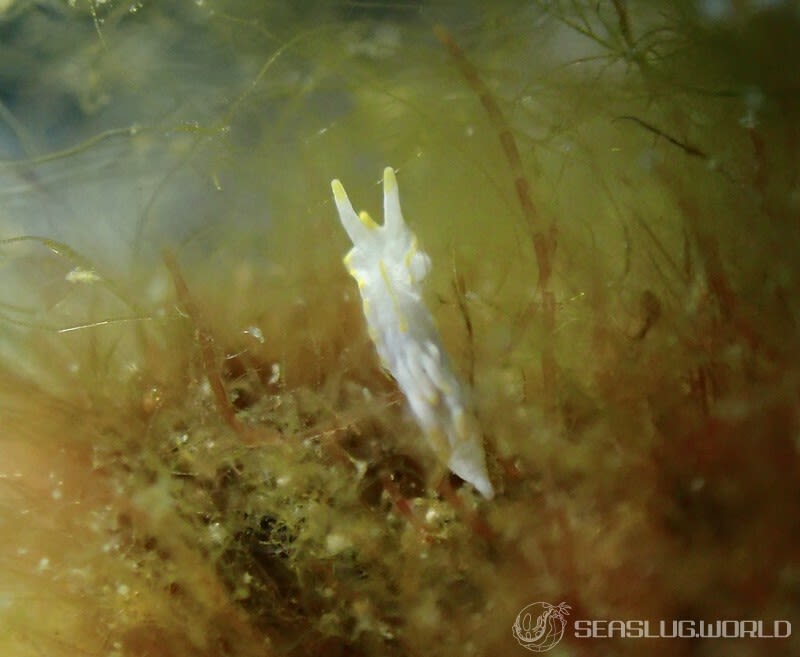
[389,268]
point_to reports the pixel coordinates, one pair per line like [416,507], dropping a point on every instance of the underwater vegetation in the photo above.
[201,453]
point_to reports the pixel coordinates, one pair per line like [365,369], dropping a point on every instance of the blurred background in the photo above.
[200,453]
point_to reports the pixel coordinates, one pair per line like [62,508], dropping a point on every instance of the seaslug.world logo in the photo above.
[540,626]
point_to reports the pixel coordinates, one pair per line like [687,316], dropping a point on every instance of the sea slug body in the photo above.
[389,268]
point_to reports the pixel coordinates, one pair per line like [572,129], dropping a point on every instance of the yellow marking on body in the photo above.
[434,399]
[410,253]
[358,278]
[389,180]
[438,441]
[390,288]
[338,190]
[461,425]
[367,220]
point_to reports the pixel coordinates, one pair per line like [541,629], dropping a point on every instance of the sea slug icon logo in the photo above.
[540,626]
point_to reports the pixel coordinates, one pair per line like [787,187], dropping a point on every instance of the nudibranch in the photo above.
[389,268]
